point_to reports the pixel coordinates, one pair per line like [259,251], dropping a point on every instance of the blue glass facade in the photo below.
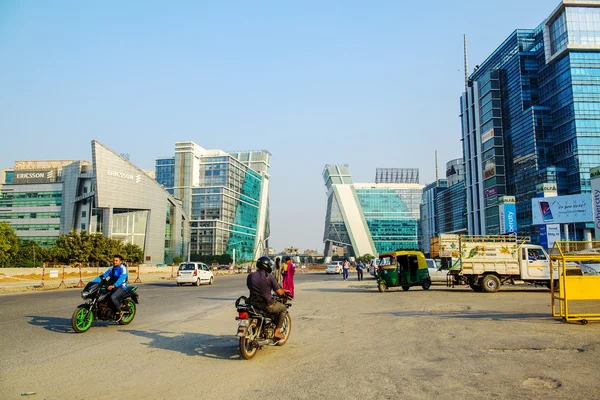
[165,172]
[223,197]
[392,216]
[531,115]
[451,205]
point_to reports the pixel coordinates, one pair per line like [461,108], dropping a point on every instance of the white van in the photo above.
[194,273]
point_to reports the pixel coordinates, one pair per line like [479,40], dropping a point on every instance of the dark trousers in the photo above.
[114,302]
[280,309]
[360,274]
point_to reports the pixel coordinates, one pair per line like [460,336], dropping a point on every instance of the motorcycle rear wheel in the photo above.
[128,316]
[286,329]
[247,347]
[82,319]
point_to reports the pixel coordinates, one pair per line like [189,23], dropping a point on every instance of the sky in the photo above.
[365,83]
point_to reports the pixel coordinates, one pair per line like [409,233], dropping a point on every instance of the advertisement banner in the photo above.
[508,217]
[553,234]
[544,236]
[595,176]
[562,209]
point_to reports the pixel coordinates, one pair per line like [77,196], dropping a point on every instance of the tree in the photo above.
[30,254]
[177,260]
[365,258]
[133,253]
[9,244]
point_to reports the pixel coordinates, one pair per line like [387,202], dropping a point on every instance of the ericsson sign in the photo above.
[124,175]
[35,176]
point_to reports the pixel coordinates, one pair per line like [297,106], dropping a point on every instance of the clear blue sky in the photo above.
[370,84]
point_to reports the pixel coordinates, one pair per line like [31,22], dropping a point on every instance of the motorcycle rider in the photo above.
[117,281]
[260,284]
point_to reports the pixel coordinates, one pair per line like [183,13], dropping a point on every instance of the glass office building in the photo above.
[369,218]
[31,198]
[428,220]
[451,203]
[531,115]
[111,196]
[225,195]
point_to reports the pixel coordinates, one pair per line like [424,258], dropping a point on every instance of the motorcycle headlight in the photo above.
[84,294]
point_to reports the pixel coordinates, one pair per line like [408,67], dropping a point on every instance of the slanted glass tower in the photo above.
[531,115]
[226,196]
[369,218]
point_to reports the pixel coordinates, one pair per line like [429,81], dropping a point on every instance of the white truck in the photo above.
[486,262]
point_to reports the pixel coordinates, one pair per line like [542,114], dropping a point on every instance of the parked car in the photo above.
[194,273]
[334,267]
[436,272]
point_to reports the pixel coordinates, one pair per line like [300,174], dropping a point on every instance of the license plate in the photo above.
[242,327]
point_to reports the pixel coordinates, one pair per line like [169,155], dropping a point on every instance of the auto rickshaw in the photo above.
[402,268]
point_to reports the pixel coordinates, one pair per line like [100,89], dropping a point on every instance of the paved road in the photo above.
[348,342]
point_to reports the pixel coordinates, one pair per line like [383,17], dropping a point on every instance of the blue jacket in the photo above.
[119,273]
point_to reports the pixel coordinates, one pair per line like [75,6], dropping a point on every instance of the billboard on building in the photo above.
[562,209]
[595,177]
[507,212]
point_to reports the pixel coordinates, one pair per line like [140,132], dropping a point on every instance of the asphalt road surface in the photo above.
[348,341]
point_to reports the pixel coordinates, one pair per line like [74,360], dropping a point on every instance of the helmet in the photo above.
[264,263]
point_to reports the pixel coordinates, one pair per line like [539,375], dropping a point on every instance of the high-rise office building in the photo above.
[451,203]
[531,115]
[428,217]
[369,218]
[226,195]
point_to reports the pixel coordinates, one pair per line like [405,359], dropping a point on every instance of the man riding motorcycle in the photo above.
[117,281]
[260,284]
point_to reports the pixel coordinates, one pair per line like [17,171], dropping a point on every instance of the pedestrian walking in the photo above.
[346,268]
[289,269]
[278,273]
[359,269]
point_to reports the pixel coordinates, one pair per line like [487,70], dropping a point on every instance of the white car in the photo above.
[436,273]
[334,267]
[194,273]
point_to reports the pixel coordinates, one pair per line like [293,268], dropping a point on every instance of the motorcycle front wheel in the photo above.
[128,312]
[248,348]
[286,329]
[82,319]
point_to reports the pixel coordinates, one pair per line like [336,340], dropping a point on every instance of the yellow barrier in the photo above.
[575,297]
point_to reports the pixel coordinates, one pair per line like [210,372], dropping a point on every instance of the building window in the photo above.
[83,214]
[83,227]
[85,189]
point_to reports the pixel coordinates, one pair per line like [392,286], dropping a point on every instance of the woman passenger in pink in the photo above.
[288,275]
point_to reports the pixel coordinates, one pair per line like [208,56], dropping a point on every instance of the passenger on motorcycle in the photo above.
[117,281]
[260,284]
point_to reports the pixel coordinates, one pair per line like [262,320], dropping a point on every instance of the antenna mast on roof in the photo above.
[437,175]
[466,64]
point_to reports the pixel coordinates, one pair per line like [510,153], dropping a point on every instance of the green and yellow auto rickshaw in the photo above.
[402,268]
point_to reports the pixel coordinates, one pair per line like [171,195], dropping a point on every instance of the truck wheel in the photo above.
[382,287]
[490,283]
[405,288]
[426,284]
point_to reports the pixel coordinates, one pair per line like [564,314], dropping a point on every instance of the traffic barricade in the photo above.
[575,281]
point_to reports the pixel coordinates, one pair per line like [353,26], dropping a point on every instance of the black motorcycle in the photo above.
[97,296]
[256,328]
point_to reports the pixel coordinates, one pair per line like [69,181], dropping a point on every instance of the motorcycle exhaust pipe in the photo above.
[263,342]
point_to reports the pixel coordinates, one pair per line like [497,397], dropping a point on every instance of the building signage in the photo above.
[35,176]
[562,209]
[595,176]
[507,212]
[123,175]
[491,192]
[487,136]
